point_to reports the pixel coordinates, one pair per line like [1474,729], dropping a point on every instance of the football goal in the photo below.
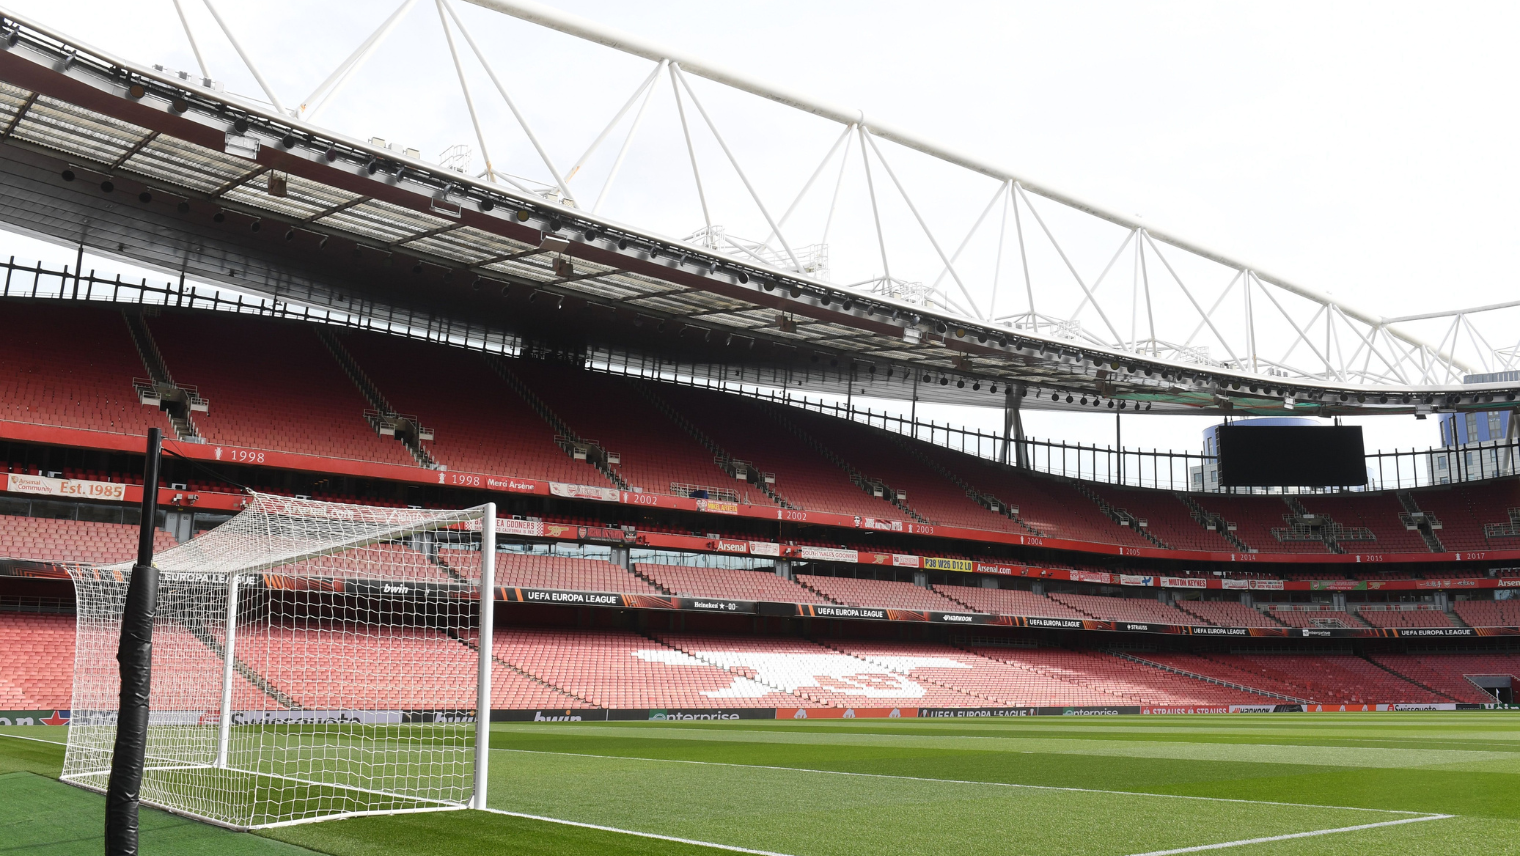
[310,660]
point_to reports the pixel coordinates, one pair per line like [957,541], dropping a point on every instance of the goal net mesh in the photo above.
[352,678]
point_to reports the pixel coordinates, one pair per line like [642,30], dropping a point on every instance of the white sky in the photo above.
[1364,149]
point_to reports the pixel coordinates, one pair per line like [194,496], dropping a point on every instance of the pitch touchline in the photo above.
[692,841]
[962,782]
[1245,841]
[33,739]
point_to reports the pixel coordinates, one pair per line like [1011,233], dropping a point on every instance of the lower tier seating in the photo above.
[881,593]
[37,668]
[1131,682]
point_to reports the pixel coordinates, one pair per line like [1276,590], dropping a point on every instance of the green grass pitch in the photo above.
[1446,783]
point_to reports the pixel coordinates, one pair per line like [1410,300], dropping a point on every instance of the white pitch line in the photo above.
[33,739]
[1245,841]
[964,782]
[692,841]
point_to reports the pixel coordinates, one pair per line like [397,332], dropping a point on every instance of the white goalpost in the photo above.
[310,661]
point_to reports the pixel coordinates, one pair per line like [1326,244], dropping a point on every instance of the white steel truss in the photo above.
[888,212]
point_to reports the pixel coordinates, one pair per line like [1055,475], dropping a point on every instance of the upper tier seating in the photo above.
[1226,613]
[879,457]
[762,585]
[1378,512]
[656,453]
[1255,517]
[614,668]
[1051,505]
[271,386]
[529,570]
[379,561]
[1167,517]
[826,677]
[479,423]
[1317,618]
[1489,613]
[79,541]
[1133,683]
[72,368]
[879,593]
[1008,602]
[746,430]
[1463,510]
[1404,617]
[37,668]
[1124,608]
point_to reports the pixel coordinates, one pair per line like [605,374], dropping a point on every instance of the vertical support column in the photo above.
[913,410]
[134,655]
[1015,424]
[229,648]
[483,668]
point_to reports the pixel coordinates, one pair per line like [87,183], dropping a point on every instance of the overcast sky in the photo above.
[1364,149]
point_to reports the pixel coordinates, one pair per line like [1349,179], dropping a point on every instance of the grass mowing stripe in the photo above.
[1313,834]
[729,847]
[953,781]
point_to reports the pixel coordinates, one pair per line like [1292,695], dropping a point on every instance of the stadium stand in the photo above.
[82,541]
[1255,517]
[748,431]
[1322,678]
[1167,517]
[612,668]
[531,570]
[1315,618]
[1123,608]
[1134,683]
[480,425]
[1226,613]
[72,368]
[271,386]
[1377,512]
[827,677]
[1404,617]
[1008,602]
[1446,673]
[881,593]
[761,585]
[1052,506]
[881,458]
[656,453]
[1488,613]
[327,666]
[38,669]
[1464,510]
[987,678]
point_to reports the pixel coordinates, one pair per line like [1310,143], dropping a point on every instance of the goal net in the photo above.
[311,660]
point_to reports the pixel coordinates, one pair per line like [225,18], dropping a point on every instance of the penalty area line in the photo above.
[1312,834]
[692,841]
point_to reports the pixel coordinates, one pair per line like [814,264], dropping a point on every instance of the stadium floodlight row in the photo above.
[232,177]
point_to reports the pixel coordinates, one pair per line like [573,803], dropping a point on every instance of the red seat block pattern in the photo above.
[879,593]
[81,541]
[760,585]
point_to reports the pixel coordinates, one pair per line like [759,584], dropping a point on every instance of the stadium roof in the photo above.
[238,193]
